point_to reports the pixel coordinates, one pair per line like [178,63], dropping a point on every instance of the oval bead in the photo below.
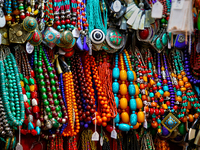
[136,126]
[165,88]
[123,103]
[130,76]
[140,116]
[125,117]
[123,75]
[179,93]
[117,118]
[137,91]
[139,103]
[131,90]
[124,127]
[123,89]
[115,73]
[181,129]
[133,105]
[117,101]
[115,87]
[133,119]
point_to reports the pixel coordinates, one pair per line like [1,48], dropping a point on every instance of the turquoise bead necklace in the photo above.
[12,96]
[94,16]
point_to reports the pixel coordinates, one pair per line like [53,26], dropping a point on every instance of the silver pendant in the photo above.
[137,20]
[42,25]
[117,6]
[141,25]
[2,18]
[133,17]
[19,146]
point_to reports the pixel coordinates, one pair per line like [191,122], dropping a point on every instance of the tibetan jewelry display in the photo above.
[99,74]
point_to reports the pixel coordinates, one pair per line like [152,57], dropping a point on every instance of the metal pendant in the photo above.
[133,17]
[141,25]
[4,36]
[170,122]
[137,20]
[17,34]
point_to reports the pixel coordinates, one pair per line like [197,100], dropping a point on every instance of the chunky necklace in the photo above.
[12,96]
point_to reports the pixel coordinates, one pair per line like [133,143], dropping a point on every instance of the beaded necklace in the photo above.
[82,92]
[12,96]
[55,110]
[29,89]
[123,90]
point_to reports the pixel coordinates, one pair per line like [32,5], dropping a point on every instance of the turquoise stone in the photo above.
[165,88]
[158,44]
[115,87]
[117,118]
[131,89]
[179,93]
[133,105]
[133,119]
[38,130]
[164,39]
[124,127]
[130,75]
[151,94]
[115,73]
[161,92]
[116,101]
[158,84]
[30,126]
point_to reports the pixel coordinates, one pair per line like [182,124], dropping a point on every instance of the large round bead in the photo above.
[140,116]
[130,75]
[133,119]
[115,87]
[125,117]
[123,75]
[115,73]
[123,103]
[133,105]
[131,90]
[123,89]
[139,103]
[124,127]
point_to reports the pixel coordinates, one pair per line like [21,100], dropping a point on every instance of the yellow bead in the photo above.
[29,9]
[152,82]
[137,91]
[139,103]
[157,95]
[136,126]
[181,83]
[185,79]
[123,103]
[164,106]
[125,117]
[183,89]
[123,75]
[166,94]
[36,12]
[162,68]
[32,88]
[123,89]
[140,116]
[145,78]
[22,83]
[159,130]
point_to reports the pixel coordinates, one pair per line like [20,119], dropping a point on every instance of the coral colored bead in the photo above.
[168,103]
[153,104]
[162,111]
[36,109]
[156,112]
[62,21]
[191,118]
[26,105]
[154,124]
[142,86]
[151,111]
[165,81]
[8,18]
[57,23]
[196,115]
[67,21]
[184,119]
[16,12]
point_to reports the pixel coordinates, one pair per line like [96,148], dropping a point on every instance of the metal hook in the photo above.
[36,143]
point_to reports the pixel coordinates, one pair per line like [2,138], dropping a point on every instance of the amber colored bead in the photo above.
[16,12]
[179,76]
[8,17]
[158,95]
[187,85]
[184,119]
[166,94]
[191,118]
[180,83]
[196,115]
